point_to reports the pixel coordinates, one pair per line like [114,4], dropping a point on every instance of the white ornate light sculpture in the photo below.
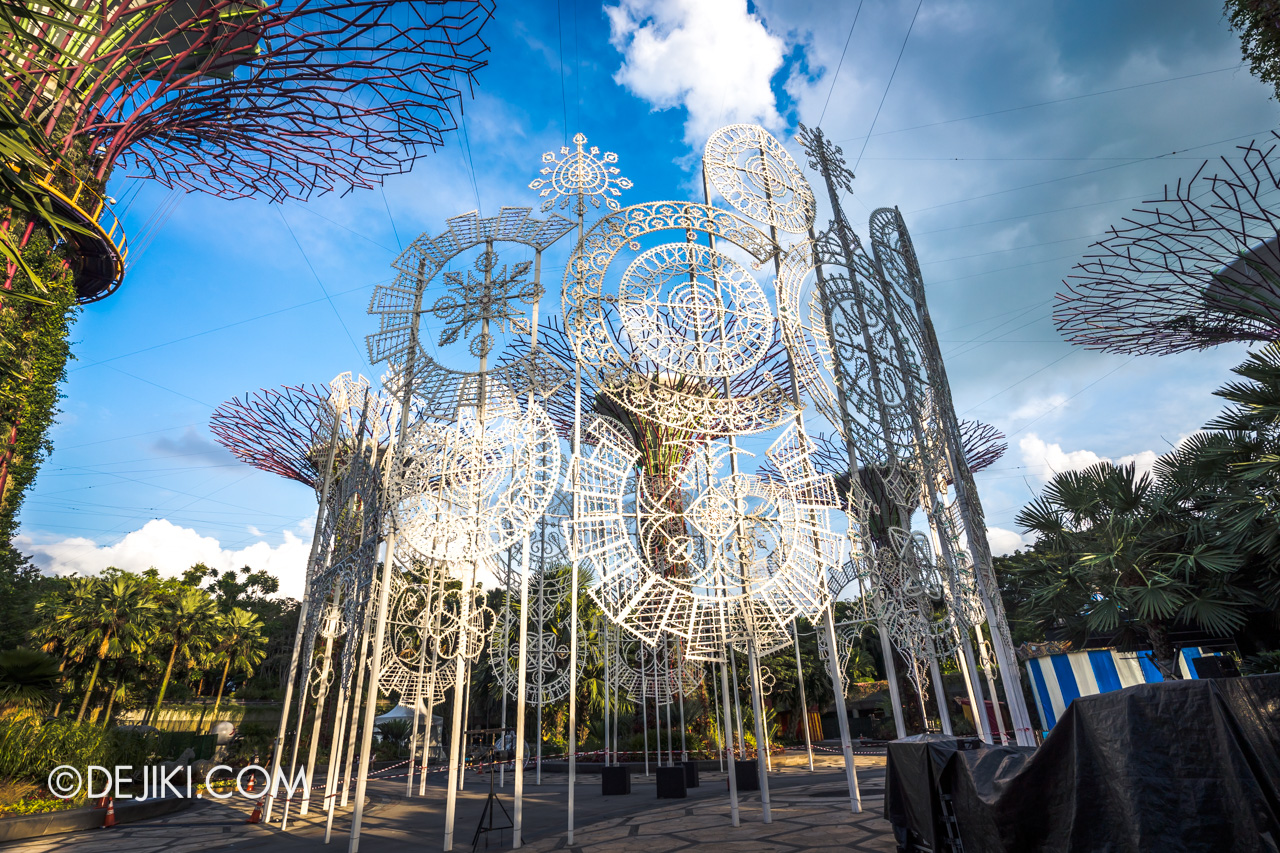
[754,555]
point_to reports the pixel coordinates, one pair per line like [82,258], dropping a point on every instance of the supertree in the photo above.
[272,100]
[1192,269]
[983,445]
[286,430]
[278,100]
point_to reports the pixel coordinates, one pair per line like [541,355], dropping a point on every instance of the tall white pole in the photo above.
[384,590]
[309,770]
[991,685]
[577,516]
[355,703]
[278,744]
[455,737]
[891,675]
[371,700]
[804,702]
[684,744]
[522,664]
[939,691]
[604,637]
[762,744]
[728,729]
[842,714]
[976,703]
[644,706]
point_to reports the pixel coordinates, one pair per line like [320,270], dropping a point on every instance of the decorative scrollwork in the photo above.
[474,487]
[753,172]
[400,306]
[580,175]
[747,556]
[678,401]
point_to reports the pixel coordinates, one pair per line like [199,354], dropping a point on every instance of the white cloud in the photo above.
[712,57]
[1045,459]
[1040,406]
[1006,541]
[173,550]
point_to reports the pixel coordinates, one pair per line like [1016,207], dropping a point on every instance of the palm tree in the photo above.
[28,680]
[58,636]
[1126,555]
[111,616]
[243,646]
[184,619]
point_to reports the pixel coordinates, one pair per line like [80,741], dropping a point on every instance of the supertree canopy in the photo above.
[1193,269]
[278,100]
[287,430]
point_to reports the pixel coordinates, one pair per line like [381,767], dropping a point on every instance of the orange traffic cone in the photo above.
[256,817]
[249,788]
[110,820]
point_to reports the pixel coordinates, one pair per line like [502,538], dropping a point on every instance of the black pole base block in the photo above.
[691,774]
[615,781]
[671,783]
[748,775]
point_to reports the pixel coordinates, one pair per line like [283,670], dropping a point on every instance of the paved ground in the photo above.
[810,812]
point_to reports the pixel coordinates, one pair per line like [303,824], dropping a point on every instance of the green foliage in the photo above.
[1196,543]
[28,680]
[1121,555]
[137,633]
[21,586]
[30,749]
[395,733]
[1261,664]
[1258,23]
[34,350]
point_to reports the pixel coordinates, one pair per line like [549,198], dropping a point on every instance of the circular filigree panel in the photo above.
[755,174]
[680,402]
[472,488]
[674,301]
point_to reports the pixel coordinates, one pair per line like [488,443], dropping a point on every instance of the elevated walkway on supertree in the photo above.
[101,251]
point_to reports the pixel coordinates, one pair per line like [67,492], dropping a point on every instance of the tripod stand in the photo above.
[491,804]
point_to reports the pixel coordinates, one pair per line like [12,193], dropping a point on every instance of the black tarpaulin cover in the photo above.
[1172,767]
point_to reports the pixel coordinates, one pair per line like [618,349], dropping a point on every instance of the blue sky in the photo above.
[1012,136]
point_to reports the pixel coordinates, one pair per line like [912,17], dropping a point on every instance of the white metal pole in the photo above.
[891,674]
[604,636]
[991,685]
[309,770]
[728,728]
[804,703]
[522,663]
[965,657]
[455,737]
[278,745]
[644,707]
[371,702]
[939,691]
[762,745]
[356,703]
[842,714]
[684,744]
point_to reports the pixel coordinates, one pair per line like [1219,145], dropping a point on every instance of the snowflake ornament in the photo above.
[491,297]
[580,174]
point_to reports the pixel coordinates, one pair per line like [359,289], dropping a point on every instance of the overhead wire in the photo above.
[364,356]
[1050,102]
[840,64]
[888,86]
[221,328]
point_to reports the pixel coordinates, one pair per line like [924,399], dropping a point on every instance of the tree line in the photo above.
[92,648]
[1132,557]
